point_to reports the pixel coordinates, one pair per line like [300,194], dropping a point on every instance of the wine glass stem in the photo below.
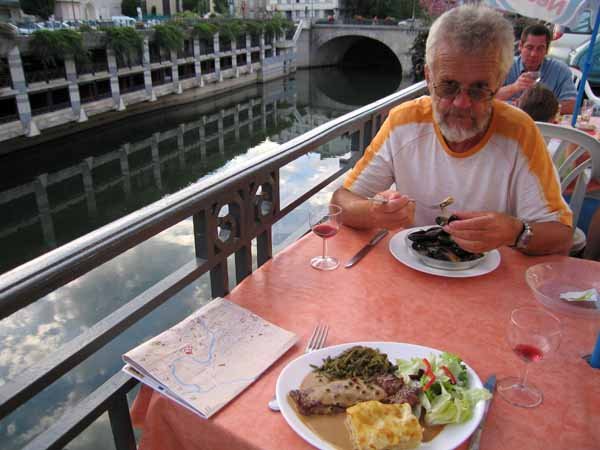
[524,375]
[324,248]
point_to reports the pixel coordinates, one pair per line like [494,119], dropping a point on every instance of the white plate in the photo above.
[292,375]
[401,252]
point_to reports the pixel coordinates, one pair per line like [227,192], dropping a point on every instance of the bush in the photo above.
[230,29]
[169,36]
[50,46]
[417,55]
[124,41]
[204,30]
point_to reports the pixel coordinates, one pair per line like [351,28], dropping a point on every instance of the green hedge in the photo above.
[50,46]
[169,36]
[124,41]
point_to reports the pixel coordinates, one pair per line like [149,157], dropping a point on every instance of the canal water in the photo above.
[68,187]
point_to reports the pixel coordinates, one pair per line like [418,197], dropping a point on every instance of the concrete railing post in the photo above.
[197,65]
[71,71]
[147,70]
[217,53]
[17,74]
[118,103]
[175,73]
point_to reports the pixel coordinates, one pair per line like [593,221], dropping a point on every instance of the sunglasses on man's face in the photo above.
[448,90]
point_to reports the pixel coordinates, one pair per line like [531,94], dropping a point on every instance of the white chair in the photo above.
[571,146]
[588,89]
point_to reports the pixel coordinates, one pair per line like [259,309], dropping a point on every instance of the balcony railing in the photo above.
[253,214]
[92,68]
[53,73]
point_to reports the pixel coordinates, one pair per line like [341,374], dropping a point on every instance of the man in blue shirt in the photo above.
[532,66]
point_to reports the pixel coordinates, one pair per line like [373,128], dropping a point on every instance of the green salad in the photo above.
[446,396]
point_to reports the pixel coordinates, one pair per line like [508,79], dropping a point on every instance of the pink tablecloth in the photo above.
[382,300]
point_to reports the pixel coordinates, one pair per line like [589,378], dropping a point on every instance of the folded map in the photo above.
[210,357]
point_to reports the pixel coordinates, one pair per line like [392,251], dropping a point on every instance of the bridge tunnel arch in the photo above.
[369,60]
[357,52]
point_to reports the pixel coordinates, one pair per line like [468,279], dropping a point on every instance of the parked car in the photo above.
[123,21]
[567,39]
[577,59]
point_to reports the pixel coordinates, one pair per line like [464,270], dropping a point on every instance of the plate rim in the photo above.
[493,258]
[305,433]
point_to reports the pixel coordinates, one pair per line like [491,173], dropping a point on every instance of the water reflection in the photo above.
[144,159]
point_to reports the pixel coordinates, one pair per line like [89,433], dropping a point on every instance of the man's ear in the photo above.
[520,46]
[427,75]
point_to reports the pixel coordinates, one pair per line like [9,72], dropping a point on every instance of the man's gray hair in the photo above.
[473,30]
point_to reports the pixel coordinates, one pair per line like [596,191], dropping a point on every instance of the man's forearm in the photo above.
[355,209]
[550,238]
[506,92]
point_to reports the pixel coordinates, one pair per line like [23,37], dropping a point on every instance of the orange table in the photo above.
[382,300]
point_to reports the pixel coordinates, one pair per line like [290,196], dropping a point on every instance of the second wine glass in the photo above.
[532,334]
[325,223]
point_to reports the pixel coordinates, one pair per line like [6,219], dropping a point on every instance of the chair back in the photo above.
[588,89]
[576,158]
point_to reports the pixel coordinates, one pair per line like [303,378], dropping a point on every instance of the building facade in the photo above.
[34,97]
[308,10]
[163,7]
[86,9]
[10,11]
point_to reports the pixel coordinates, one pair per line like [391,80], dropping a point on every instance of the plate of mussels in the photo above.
[431,250]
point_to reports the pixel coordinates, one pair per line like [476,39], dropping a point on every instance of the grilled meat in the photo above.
[335,396]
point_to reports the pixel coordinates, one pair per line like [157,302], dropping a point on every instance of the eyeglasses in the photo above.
[450,89]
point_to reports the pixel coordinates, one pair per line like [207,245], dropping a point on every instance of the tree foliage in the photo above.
[385,8]
[204,30]
[435,8]
[222,6]
[124,41]
[169,36]
[129,7]
[51,46]
[41,8]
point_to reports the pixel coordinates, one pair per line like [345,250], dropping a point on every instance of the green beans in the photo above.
[361,362]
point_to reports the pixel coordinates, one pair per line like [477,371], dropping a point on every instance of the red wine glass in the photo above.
[325,223]
[533,333]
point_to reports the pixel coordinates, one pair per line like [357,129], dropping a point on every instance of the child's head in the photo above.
[540,103]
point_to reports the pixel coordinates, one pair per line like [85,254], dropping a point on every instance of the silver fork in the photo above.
[381,200]
[316,341]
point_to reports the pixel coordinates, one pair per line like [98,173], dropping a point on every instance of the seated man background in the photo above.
[555,74]
[461,142]
[540,103]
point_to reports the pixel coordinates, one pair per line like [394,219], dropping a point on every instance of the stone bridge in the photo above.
[328,43]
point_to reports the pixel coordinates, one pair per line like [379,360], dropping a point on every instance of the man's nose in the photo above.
[462,99]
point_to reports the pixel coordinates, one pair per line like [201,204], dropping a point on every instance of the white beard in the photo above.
[454,134]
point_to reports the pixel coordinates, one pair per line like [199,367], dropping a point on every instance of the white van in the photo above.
[123,21]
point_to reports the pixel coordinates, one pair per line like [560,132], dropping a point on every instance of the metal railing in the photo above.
[252,194]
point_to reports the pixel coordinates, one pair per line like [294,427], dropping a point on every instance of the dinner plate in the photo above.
[292,375]
[401,252]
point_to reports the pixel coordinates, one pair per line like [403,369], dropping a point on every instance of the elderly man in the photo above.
[461,142]
[532,66]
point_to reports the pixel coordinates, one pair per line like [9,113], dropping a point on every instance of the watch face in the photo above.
[525,237]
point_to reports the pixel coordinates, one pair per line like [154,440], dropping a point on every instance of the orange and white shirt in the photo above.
[509,171]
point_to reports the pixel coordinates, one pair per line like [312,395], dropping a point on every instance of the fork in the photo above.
[316,341]
[381,200]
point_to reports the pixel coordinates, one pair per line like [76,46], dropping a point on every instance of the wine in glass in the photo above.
[325,223]
[532,334]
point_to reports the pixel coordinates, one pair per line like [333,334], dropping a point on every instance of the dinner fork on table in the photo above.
[316,341]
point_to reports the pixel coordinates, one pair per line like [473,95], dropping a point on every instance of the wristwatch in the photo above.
[524,237]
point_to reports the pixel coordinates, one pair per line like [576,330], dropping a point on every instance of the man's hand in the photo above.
[483,231]
[523,82]
[397,212]
[359,212]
